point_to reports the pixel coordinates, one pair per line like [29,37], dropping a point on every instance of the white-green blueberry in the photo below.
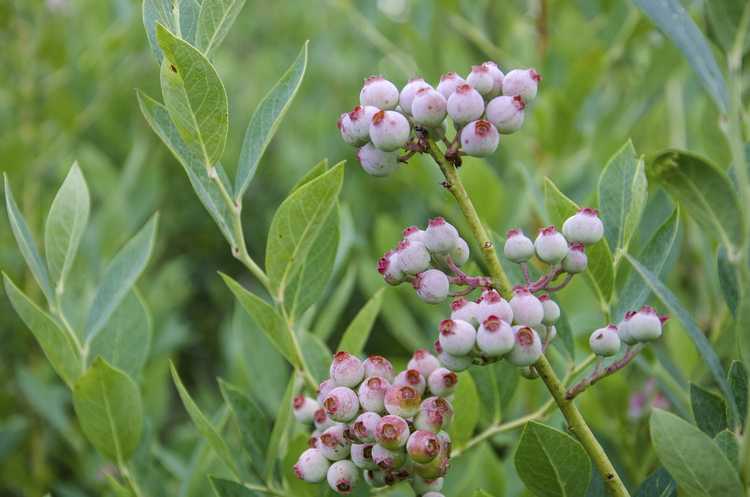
[497,79]
[645,325]
[371,393]
[334,442]
[379,92]
[506,113]
[424,362]
[358,123]
[527,309]
[442,382]
[387,459]
[479,138]
[341,404]
[432,286]
[363,428]
[481,79]
[342,476]
[361,455]
[518,247]
[495,337]
[413,378]
[376,162]
[346,369]
[389,130]
[527,348]
[390,269]
[374,477]
[551,310]
[465,310]
[550,245]
[584,227]
[456,337]
[523,82]
[377,365]
[429,108]
[423,446]
[460,254]
[440,237]
[605,341]
[304,408]
[346,128]
[491,303]
[435,413]
[321,420]
[454,362]
[392,432]
[413,257]
[312,466]
[430,488]
[433,494]
[623,329]
[575,261]
[465,105]
[413,234]
[448,84]
[402,400]
[408,92]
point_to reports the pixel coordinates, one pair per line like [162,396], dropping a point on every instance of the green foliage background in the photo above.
[70,68]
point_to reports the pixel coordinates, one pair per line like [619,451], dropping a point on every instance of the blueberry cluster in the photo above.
[482,106]
[384,426]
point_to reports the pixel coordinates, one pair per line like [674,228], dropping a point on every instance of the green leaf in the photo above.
[622,196]
[724,18]
[180,17]
[704,191]
[194,96]
[229,488]
[658,484]
[311,174]
[280,430]
[57,345]
[729,445]
[466,418]
[120,276]
[265,121]
[214,21]
[316,353]
[677,25]
[552,463]
[694,461]
[296,225]
[699,339]
[330,314]
[356,334]
[709,410]
[255,426]
[208,193]
[26,243]
[565,332]
[600,265]
[267,319]
[653,256]
[108,405]
[728,283]
[204,426]
[66,223]
[488,390]
[738,382]
[125,340]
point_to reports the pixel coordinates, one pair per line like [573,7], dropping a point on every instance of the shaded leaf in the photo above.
[255,426]
[330,314]
[466,418]
[214,20]
[179,17]
[658,484]
[724,18]
[737,378]
[279,434]
[356,334]
[229,488]
[727,280]
[316,353]
[709,410]
[729,445]
[488,390]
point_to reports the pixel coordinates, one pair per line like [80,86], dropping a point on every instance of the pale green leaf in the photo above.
[356,334]
[108,405]
[254,425]
[57,345]
[214,21]
[265,121]
[120,276]
[330,314]
[709,411]
[194,97]
[691,457]
[316,353]
[488,390]
[466,416]
[724,17]
[658,484]
[729,445]
[180,17]
[229,488]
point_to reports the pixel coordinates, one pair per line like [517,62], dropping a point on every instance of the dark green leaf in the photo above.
[356,334]
[658,484]
[228,488]
[737,378]
[709,410]
[727,280]
[466,417]
[729,445]
[488,391]
[724,18]
[280,432]
[255,426]
[214,21]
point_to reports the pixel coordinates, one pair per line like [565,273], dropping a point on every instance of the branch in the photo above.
[598,374]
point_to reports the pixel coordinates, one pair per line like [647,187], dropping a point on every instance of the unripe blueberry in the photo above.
[465,104]
[425,487]
[379,92]
[527,309]
[448,84]
[460,254]
[584,227]
[528,372]
[322,420]
[456,337]
[342,476]
[518,247]
[388,459]
[402,400]
[346,128]
[376,162]
[359,120]
[375,477]
[623,329]
[433,494]
[551,333]
[429,108]
[435,413]
[454,362]
[440,237]
[465,310]
[434,469]
[334,443]
[371,393]
[495,337]
[497,79]
[575,261]
[491,303]
[314,441]
[551,246]
[304,408]
[423,446]
[424,362]
[446,444]
[389,130]
[341,404]
[527,348]
[481,79]
[645,325]
[479,138]
[324,388]
[551,310]
[346,370]
[413,234]
[388,267]
[432,286]
[312,466]
[377,365]
[363,428]
[605,342]
[413,378]
[524,82]
[442,382]
[362,456]
[506,113]
[409,91]
[392,432]
[413,257]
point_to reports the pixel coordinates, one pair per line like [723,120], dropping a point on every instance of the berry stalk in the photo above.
[598,375]
[456,187]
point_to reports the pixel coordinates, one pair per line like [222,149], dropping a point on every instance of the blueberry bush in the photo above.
[518,265]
